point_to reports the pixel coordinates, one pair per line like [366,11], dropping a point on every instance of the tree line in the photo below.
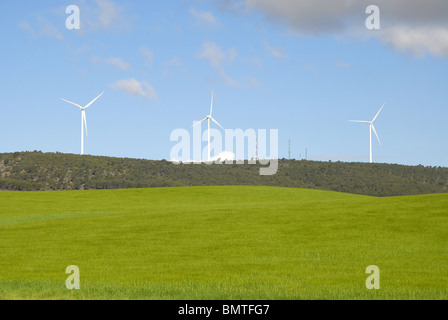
[37,171]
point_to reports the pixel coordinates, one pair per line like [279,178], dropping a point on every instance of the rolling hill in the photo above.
[36,171]
[222,243]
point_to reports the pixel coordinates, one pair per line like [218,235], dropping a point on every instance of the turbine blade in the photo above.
[373,127]
[378,112]
[85,121]
[358,121]
[75,104]
[217,123]
[199,122]
[93,101]
[211,108]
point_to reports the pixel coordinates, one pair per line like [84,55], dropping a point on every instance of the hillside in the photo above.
[36,171]
[222,243]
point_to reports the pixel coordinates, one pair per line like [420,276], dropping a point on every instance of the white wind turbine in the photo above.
[83,119]
[371,127]
[208,118]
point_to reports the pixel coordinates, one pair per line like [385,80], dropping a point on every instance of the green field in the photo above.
[222,243]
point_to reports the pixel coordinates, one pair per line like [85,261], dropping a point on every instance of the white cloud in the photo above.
[279,54]
[118,63]
[254,83]
[213,53]
[173,62]
[204,17]
[342,64]
[419,41]
[148,55]
[108,12]
[276,52]
[26,26]
[82,49]
[47,29]
[136,88]
[227,80]
[114,62]
[329,16]
[307,16]
[415,26]
[218,59]
[41,28]
[102,15]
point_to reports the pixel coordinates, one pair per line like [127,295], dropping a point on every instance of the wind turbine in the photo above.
[372,127]
[83,118]
[208,118]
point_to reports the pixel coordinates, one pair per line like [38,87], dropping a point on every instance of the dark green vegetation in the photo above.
[38,171]
[222,243]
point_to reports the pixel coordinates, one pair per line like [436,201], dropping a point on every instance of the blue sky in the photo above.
[272,65]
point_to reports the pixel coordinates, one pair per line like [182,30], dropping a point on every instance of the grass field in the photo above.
[222,243]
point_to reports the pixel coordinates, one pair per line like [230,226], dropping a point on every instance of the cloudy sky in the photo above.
[302,67]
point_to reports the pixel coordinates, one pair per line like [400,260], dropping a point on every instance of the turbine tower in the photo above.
[208,118]
[83,119]
[289,149]
[371,127]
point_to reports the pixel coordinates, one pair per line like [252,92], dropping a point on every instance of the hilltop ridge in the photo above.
[37,171]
